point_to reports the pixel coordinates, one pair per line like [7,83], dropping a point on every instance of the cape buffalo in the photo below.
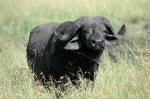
[66,49]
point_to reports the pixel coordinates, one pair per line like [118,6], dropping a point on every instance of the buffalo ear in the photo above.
[122,32]
[112,40]
[73,44]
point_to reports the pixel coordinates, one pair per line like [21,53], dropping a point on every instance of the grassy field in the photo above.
[123,75]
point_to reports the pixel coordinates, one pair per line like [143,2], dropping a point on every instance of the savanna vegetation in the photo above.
[123,74]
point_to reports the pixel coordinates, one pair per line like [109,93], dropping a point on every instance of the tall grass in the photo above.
[123,75]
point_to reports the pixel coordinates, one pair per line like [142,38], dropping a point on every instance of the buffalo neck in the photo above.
[94,54]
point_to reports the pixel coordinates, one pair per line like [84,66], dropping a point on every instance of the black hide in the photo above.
[66,49]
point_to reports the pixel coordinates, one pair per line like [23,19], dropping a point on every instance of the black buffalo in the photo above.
[70,48]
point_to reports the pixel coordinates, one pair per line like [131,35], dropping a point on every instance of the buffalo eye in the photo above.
[108,36]
[106,32]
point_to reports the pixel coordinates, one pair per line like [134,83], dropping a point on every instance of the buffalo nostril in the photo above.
[97,41]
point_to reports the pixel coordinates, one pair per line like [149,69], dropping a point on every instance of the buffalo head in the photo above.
[94,33]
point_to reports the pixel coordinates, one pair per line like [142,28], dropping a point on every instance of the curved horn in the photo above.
[112,39]
[67,33]
[107,23]
[67,30]
[80,22]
